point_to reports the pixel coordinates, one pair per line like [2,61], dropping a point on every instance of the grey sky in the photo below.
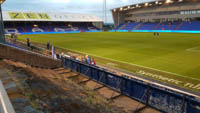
[68,6]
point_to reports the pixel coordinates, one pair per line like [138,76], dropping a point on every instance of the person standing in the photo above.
[28,42]
[93,62]
[48,45]
[158,34]
[89,60]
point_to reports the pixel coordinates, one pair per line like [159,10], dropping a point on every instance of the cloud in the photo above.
[69,6]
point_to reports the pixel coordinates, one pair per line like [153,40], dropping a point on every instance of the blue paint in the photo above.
[31,33]
[161,31]
[163,99]
[95,31]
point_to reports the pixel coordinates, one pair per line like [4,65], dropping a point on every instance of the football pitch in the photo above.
[171,55]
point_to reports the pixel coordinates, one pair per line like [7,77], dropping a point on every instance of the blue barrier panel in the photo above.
[165,101]
[112,30]
[95,74]
[193,106]
[138,91]
[166,31]
[83,69]
[114,81]
[95,31]
[102,77]
[30,33]
[74,66]
[126,87]
[86,70]
[67,63]
[122,30]
[157,97]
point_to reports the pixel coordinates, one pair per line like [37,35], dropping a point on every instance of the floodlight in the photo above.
[169,1]
[146,4]
[180,0]
[1,1]
[35,25]
[156,2]
[132,7]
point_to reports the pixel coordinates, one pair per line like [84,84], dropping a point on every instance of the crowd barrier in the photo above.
[160,98]
[5,104]
[161,31]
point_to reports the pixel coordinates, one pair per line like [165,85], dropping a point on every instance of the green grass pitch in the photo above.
[174,55]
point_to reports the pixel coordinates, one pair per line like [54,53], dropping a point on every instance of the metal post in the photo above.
[105,11]
[2,37]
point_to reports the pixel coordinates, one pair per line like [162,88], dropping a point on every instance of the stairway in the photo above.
[138,26]
[157,26]
[24,29]
[179,26]
[122,27]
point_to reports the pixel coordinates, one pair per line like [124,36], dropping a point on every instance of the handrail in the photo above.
[5,104]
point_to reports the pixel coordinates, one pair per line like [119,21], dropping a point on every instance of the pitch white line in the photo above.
[193,49]
[133,64]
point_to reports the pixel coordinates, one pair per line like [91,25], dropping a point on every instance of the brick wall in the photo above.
[28,57]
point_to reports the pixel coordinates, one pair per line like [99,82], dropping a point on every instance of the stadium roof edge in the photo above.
[146,4]
[136,4]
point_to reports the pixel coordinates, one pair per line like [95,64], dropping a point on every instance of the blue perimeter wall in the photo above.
[31,33]
[160,98]
[161,31]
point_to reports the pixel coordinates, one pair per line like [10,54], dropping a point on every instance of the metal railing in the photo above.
[5,104]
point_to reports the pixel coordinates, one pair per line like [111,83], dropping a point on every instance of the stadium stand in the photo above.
[190,25]
[147,26]
[118,27]
[54,27]
[179,15]
[32,22]
[131,26]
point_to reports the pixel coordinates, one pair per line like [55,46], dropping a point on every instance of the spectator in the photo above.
[28,42]
[48,45]
[15,39]
[93,62]
[89,60]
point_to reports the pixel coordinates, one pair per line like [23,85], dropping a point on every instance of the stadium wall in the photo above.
[27,57]
[163,99]
[160,31]
[153,11]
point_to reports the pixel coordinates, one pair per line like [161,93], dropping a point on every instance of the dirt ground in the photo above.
[36,90]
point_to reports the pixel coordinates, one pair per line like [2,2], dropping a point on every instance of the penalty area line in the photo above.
[194,49]
[132,64]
